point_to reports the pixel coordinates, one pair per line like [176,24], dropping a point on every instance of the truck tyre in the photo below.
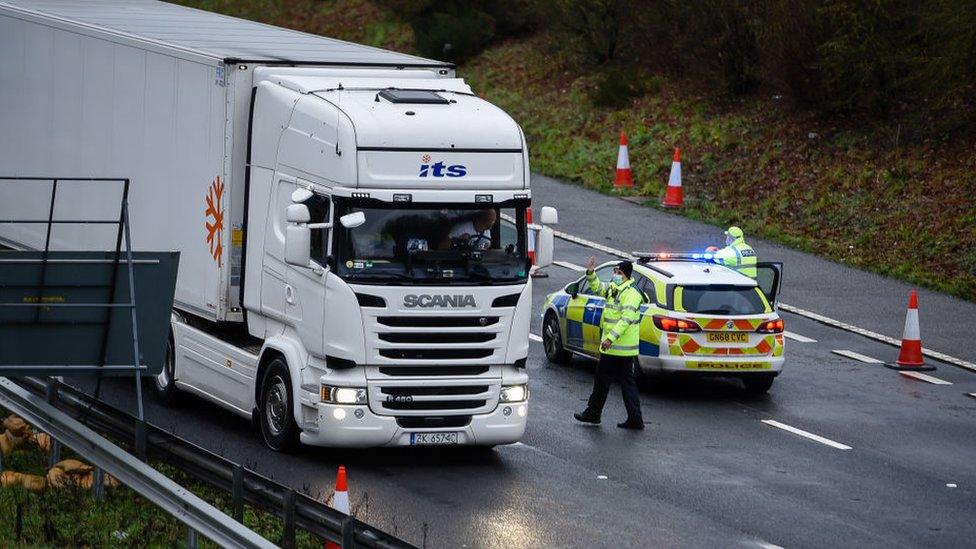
[164,383]
[552,341]
[757,385]
[276,408]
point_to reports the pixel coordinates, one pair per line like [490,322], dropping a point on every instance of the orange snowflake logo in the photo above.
[425,159]
[215,213]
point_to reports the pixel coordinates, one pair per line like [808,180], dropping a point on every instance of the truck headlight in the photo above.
[343,395]
[514,393]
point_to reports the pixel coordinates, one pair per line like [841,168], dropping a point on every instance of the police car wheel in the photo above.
[757,385]
[552,341]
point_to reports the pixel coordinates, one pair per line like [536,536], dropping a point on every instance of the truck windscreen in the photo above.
[426,244]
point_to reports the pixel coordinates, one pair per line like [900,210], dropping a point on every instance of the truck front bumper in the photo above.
[350,426]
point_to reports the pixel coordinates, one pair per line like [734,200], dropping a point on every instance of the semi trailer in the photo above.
[351,221]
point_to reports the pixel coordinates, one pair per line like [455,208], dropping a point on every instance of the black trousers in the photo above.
[621,368]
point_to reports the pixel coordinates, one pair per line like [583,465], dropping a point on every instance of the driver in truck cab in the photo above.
[477,231]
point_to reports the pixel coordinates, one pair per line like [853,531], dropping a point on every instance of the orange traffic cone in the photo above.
[674,197]
[340,500]
[910,356]
[624,176]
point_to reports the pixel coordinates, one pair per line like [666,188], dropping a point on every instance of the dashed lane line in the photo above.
[798,337]
[925,377]
[857,356]
[806,434]
[534,337]
[570,266]
[789,308]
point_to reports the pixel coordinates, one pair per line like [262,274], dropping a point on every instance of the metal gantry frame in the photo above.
[38,304]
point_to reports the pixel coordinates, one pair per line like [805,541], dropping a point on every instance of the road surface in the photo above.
[842,452]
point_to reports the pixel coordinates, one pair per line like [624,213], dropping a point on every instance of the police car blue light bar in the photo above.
[645,257]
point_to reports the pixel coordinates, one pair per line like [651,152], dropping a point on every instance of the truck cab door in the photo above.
[305,287]
[769,276]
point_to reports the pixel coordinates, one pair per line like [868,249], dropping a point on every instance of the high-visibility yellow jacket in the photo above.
[739,256]
[620,322]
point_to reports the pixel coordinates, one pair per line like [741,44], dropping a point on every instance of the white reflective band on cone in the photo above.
[340,502]
[623,161]
[674,180]
[911,326]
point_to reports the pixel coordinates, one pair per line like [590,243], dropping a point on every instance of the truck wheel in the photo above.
[164,383]
[757,385]
[277,420]
[552,341]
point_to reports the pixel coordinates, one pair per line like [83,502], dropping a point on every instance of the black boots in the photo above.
[583,417]
[635,425]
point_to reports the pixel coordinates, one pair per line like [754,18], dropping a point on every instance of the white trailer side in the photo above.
[157,93]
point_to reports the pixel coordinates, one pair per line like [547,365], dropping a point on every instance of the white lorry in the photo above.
[351,221]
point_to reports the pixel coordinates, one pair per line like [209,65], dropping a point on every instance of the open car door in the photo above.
[769,276]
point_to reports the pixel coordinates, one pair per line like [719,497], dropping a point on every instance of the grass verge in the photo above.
[71,517]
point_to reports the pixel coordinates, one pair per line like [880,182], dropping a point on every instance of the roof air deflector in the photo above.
[413,97]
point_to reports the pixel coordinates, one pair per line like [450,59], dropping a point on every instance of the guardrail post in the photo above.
[191,538]
[348,538]
[140,442]
[98,484]
[51,396]
[288,533]
[237,494]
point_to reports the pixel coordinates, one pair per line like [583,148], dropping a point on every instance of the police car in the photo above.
[698,318]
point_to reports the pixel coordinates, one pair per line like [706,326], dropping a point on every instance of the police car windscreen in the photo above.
[722,300]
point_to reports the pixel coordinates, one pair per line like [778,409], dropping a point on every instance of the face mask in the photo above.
[729,240]
[617,279]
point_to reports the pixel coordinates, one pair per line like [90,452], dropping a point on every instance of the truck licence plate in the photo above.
[727,337]
[422,439]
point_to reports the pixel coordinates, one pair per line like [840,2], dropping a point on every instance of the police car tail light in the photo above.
[668,324]
[772,326]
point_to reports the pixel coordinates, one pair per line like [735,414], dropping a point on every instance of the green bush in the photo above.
[616,87]
[456,30]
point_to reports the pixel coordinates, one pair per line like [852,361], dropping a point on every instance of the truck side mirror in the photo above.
[543,247]
[298,245]
[353,220]
[297,213]
[548,216]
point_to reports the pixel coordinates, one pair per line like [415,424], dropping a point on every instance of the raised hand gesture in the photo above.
[591,264]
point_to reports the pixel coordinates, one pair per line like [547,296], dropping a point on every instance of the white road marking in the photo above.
[802,433]
[924,377]
[798,337]
[601,477]
[767,545]
[786,307]
[534,337]
[570,266]
[857,356]
[874,335]
[951,485]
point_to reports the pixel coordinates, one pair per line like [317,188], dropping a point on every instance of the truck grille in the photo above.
[450,371]
[435,354]
[448,398]
[436,337]
[437,321]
